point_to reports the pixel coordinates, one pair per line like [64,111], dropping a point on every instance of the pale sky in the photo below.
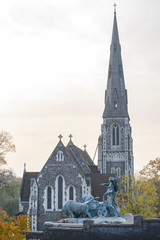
[53,70]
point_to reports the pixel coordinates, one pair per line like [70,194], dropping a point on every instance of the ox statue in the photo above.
[91,207]
[74,209]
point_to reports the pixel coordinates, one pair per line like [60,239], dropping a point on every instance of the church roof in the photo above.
[85,156]
[115,94]
[25,187]
[80,157]
[76,162]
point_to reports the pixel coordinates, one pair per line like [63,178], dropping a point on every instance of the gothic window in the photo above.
[60,192]
[118,172]
[60,156]
[115,135]
[71,193]
[49,197]
[113,170]
[110,71]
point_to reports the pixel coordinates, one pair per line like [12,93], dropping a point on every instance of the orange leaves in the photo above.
[11,228]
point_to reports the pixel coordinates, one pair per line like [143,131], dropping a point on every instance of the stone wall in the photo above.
[72,176]
[140,229]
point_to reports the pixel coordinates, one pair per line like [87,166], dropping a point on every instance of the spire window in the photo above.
[110,71]
[115,135]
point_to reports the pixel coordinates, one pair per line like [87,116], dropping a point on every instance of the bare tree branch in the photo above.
[6,145]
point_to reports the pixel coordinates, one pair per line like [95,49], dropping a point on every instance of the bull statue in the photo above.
[91,207]
[74,209]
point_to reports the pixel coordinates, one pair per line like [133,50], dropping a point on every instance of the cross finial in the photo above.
[60,137]
[70,136]
[85,146]
[115,5]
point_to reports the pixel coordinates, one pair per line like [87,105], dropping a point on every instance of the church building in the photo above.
[115,144]
[70,173]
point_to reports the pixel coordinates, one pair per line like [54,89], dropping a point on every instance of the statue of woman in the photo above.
[111,204]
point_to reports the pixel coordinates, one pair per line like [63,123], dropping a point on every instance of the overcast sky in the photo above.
[53,70]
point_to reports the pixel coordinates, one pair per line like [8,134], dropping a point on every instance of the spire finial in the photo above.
[24,167]
[85,146]
[60,137]
[70,136]
[115,5]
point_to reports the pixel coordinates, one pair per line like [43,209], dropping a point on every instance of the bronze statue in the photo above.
[91,207]
[109,197]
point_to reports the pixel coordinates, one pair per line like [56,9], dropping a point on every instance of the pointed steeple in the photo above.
[24,167]
[116,94]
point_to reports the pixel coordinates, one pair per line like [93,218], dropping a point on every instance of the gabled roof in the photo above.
[85,156]
[25,187]
[76,162]
[81,157]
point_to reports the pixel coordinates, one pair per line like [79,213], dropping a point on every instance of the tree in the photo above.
[152,172]
[138,197]
[9,193]
[6,145]
[12,227]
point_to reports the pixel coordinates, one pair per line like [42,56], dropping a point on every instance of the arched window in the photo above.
[71,193]
[60,192]
[49,197]
[113,170]
[118,172]
[115,135]
[60,156]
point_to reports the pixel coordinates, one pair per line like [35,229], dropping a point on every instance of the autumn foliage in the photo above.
[138,196]
[11,228]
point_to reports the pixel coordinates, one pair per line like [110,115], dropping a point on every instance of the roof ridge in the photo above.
[75,160]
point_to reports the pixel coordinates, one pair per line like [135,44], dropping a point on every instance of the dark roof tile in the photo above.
[96,180]
[25,188]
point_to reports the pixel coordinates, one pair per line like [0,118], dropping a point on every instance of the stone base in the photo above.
[78,222]
[133,227]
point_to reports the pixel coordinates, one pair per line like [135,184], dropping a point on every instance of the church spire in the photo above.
[115,149]
[116,94]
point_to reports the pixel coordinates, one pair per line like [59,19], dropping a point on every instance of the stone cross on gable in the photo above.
[70,136]
[60,137]
[85,146]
